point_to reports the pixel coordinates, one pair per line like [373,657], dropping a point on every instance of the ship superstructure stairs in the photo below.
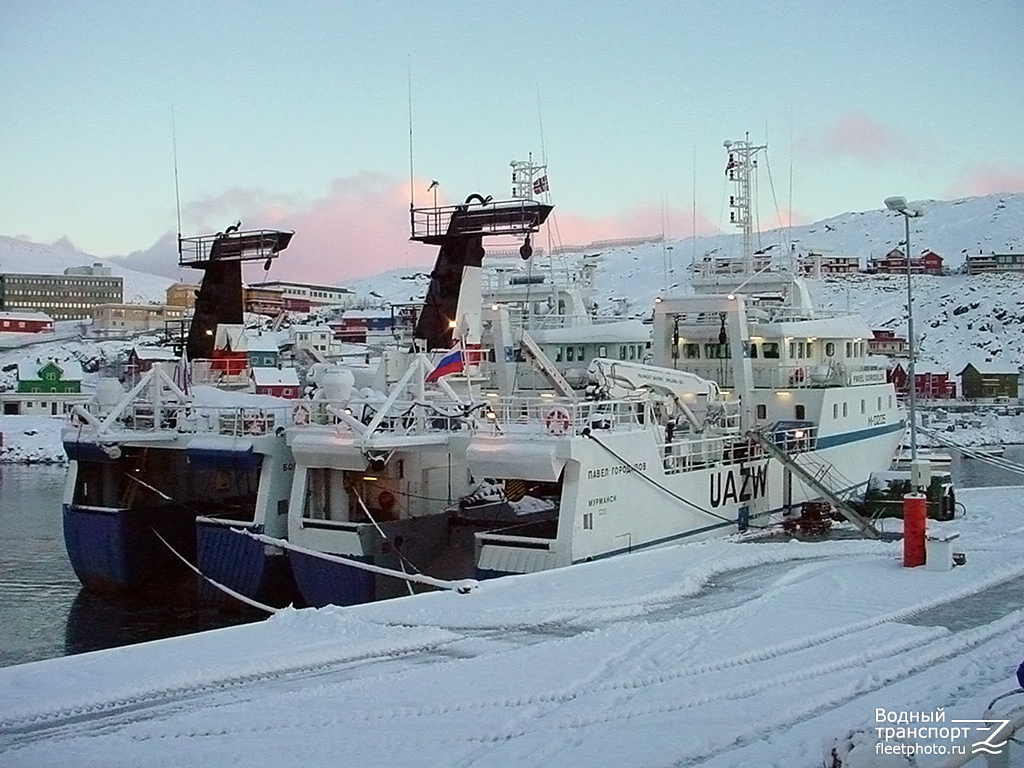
[814,473]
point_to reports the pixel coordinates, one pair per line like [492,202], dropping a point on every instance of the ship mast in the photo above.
[739,170]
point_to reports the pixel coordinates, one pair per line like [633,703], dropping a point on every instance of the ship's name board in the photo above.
[600,501]
[738,484]
[618,469]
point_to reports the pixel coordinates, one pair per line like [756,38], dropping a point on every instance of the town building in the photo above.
[976,264]
[279,382]
[988,381]
[929,385]
[895,262]
[302,297]
[182,295]
[817,265]
[122,320]
[886,342]
[357,324]
[45,388]
[25,322]
[264,301]
[70,296]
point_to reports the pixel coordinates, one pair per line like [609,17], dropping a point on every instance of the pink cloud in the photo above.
[574,229]
[987,180]
[857,136]
[361,226]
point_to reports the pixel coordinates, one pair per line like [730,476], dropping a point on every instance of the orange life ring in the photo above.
[257,426]
[557,421]
[300,415]
[799,375]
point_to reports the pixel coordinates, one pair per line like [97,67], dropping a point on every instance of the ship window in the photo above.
[580,353]
[570,354]
[846,410]
[588,521]
[691,351]
[632,352]
[753,351]
[830,348]
[879,403]
[849,349]
[622,352]
[602,351]
[835,410]
[863,406]
[792,349]
[558,355]
[800,412]
[770,350]
[761,411]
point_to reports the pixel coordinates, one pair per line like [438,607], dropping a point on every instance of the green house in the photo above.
[52,377]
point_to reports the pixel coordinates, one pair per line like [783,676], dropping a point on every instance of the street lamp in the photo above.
[899,205]
[915,503]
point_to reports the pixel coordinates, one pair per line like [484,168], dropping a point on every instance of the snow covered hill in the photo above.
[22,256]
[958,318]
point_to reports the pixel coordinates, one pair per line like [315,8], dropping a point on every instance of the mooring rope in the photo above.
[226,590]
[463,586]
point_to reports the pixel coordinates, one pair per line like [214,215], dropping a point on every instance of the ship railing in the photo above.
[695,452]
[534,322]
[559,417]
[552,416]
[504,217]
[187,418]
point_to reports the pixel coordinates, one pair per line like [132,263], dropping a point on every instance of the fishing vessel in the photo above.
[381,478]
[161,474]
[754,402]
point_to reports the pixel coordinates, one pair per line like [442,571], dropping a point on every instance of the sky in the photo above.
[297,116]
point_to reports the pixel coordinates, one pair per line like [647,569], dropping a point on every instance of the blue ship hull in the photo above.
[325,583]
[114,549]
[244,565]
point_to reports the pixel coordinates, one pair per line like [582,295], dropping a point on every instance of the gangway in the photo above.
[814,479]
[972,453]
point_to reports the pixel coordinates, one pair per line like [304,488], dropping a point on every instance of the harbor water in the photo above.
[44,613]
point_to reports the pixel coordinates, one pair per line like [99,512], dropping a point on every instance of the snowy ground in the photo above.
[722,654]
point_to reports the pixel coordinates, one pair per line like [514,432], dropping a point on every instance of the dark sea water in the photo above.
[44,612]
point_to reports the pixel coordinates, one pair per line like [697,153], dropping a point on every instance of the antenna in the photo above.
[177,194]
[412,186]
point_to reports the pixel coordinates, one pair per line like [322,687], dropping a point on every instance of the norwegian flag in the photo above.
[540,186]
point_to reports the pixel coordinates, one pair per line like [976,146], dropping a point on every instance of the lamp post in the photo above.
[915,502]
[899,205]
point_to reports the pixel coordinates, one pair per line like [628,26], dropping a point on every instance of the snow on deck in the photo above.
[720,654]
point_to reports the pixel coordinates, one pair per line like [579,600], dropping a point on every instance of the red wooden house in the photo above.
[930,385]
[895,262]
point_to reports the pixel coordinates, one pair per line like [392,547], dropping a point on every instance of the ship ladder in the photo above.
[816,481]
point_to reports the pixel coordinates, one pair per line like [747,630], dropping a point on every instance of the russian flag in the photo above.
[450,363]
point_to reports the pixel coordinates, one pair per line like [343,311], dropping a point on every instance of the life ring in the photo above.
[557,421]
[799,375]
[300,415]
[256,426]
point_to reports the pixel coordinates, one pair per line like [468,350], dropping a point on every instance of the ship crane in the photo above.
[698,399]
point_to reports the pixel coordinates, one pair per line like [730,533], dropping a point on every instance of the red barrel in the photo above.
[915,516]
